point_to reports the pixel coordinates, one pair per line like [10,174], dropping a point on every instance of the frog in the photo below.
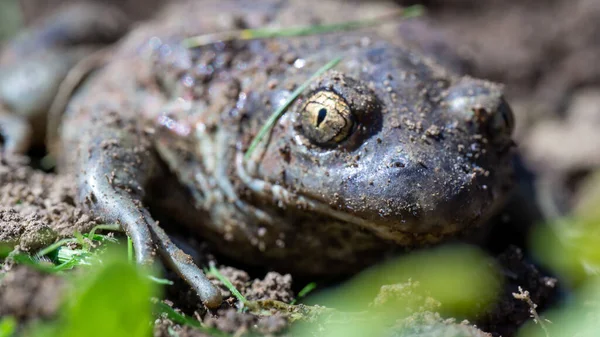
[386,151]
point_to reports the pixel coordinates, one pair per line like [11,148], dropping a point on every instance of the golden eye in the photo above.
[326,118]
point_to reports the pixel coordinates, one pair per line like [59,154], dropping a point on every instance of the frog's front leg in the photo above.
[114,164]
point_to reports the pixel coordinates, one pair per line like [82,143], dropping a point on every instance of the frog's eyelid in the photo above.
[327,90]
[342,129]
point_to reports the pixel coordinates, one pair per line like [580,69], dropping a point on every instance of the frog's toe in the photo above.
[184,265]
[15,133]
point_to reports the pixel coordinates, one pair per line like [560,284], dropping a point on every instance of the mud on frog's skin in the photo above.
[387,150]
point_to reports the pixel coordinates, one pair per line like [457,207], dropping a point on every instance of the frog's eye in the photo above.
[326,118]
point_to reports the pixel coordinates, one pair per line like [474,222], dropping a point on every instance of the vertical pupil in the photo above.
[321,116]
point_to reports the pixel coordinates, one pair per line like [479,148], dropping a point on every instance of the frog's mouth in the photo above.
[290,199]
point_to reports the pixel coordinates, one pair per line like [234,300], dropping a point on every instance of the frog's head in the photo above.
[391,141]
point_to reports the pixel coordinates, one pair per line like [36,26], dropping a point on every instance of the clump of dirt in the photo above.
[28,294]
[37,208]
[237,323]
[274,286]
[430,324]
[509,313]
[230,321]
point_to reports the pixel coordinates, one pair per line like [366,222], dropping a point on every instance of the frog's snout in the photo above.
[482,106]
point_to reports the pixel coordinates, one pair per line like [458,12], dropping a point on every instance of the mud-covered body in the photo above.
[415,170]
[388,149]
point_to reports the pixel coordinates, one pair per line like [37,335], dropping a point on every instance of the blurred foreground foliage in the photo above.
[112,298]
[398,297]
[403,297]
[570,246]
[10,18]
[110,295]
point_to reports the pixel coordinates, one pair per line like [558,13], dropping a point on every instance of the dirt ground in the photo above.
[545,52]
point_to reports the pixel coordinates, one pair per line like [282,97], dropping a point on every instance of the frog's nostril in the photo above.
[502,122]
[397,163]
[497,124]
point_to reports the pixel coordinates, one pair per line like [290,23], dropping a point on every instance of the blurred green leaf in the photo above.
[458,281]
[10,18]
[112,300]
[7,326]
[460,277]
[569,246]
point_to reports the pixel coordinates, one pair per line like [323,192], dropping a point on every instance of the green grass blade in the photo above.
[76,260]
[27,260]
[55,246]
[106,227]
[163,308]
[170,313]
[80,239]
[265,33]
[161,281]
[305,291]
[66,255]
[129,249]
[275,116]
[213,270]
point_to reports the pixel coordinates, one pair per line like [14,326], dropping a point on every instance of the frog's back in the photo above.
[131,70]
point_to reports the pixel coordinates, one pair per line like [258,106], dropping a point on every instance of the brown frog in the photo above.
[388,149]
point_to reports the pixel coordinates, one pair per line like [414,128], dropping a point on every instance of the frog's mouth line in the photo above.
[291,199]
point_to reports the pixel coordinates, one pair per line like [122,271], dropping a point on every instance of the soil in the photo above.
[29,294]
[37,208]
[544,51]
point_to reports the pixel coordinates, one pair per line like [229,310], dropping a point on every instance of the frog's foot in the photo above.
[184,265]
[114,168]
[15,133]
